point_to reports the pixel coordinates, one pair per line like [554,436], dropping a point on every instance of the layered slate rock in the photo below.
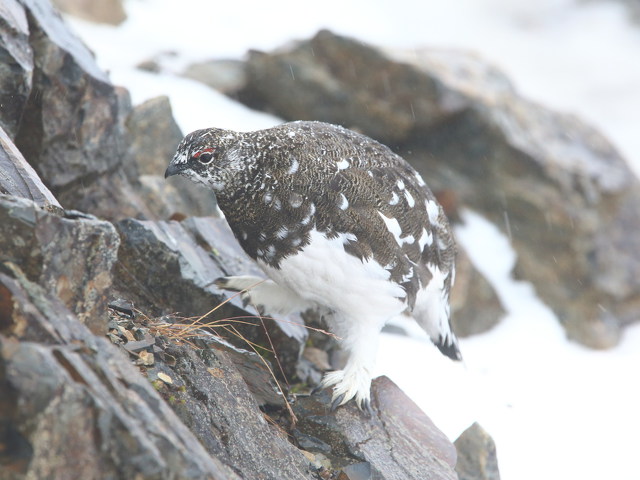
[556,186]
[177,274]
[400,442]
[170,268]
[18,178]
[70,132]
[79,132]
[211,397]
[69,254]
[70,126]
[66,390]
[16,65]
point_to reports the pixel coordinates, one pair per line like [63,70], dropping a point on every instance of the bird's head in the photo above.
[206,157]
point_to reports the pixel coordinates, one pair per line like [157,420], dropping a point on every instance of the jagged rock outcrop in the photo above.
[16,65]
[70,132]
[70,254]
[170,268]
[558,188]
[18,178]
[74,407]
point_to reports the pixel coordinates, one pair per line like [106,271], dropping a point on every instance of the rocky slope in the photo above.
[104,268]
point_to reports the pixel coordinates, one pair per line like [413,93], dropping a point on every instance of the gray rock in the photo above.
[70,255]
[213,400]
[400,442]
[70,133]
[163,270]
[74,407]
[100,11]
[16,65]
[339,80]
[556,186]
[226,76]
[170,267]
[475,306]
[477,459]
[154,137]
[18,178]
[173,198]
[74,134]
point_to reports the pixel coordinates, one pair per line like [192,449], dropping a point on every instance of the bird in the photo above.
[337,221]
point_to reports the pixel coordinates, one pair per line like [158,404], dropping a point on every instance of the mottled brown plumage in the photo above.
[283,188]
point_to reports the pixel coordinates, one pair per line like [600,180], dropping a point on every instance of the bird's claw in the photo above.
[366,408]
[336,401]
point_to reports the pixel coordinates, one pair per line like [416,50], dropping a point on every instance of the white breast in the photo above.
[325,274]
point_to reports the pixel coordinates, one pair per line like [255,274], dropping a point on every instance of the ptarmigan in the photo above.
[337,221]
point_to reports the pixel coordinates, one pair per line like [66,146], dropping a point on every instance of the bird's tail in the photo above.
[432,313]
[449,346]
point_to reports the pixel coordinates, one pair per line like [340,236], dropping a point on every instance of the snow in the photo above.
[555,409]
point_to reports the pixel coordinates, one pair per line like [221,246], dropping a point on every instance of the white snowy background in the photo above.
[556,410]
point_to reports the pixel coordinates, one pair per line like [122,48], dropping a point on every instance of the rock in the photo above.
[99,11]
[154,138]
[226,76]
[16,67]
[176,272]
[18,178]
[70,133]
[339,80]
[177,263]
[399,442]
[74,134]
[161,403]
[475,306]
[477,458]
[70,255]
[212,399]
[74,407]
[556,186]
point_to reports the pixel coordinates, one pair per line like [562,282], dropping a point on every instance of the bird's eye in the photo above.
[205,158]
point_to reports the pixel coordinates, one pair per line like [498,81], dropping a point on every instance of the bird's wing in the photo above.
[391,216]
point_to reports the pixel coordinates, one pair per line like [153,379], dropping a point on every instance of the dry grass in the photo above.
[190,327]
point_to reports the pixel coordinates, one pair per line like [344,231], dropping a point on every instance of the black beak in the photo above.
[172,169]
